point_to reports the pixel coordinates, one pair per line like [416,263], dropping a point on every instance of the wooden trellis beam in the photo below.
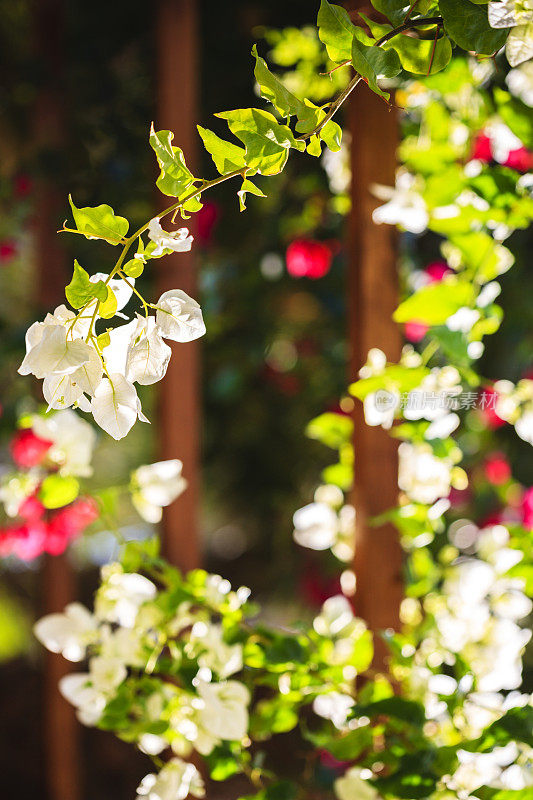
[372,299]
[180,398]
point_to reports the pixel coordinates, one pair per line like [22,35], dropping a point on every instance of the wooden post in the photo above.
[61,729]
[372,299]
[179,399]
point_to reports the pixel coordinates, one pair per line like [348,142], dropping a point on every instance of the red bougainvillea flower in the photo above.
[66,524]
[206,220]
[497,469]
[482,149]
[27,449]
[437,270]
[8,250]
[31,509]
[415,331]
[527,508]
[307,258]
[521,160]
[29,539]
[487,405]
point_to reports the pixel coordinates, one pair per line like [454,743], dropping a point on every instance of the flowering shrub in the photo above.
[174,664]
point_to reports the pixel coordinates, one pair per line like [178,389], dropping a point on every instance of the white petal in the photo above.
[148,357]
[114,405]
[179,317]
[502,13]
[519,47]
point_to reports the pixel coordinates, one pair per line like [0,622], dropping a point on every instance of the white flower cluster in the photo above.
[514,404]
[327,523]
[517,15]
[422,475]
[154,486]
[338,623]
[124,637]
[476,615]
[98,373]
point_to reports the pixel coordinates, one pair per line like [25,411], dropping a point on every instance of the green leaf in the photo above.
[331,134]
[396,10]
[103,340]
[248,188]
[397,707]
[468,25]
[373,62]
[57,491]
[81,290]
[331,429]
[336,31]
[267,142]
[516,115]
[433,304]
[284,790]
[108,308]
[395,377]
[100,222]
[175,177]
[133,268]
[272,89]
[134,553]
[226,155]
[481,255]
[415,54]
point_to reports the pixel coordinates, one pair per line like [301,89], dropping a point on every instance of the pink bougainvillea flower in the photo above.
[8,250]
[29,539]
[520,159]
[27,449]
[527,508]
[437,270]
[206,220]
[482,149]
[415,331]
[68,523]
[497,469]
[31,509]
[307,258]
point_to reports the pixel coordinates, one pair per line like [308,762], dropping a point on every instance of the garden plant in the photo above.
[176,664]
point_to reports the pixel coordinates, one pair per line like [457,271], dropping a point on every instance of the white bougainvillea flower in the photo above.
[353,785]
[116,353]
[79,691]
[335,618]
[73,438]
[520,82]
[148,356]
[179,241]
[116,406]
[155,486]
[421,475]
[69,633]
[481,769]
[333,706]
[62,391]
[176,780]
[222,713]
[405,207]
[54,354]
[518,15]
[315,526]
[121,595]
[463,320]
[90,691]
[380,408]
[179,317]
[207,644]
